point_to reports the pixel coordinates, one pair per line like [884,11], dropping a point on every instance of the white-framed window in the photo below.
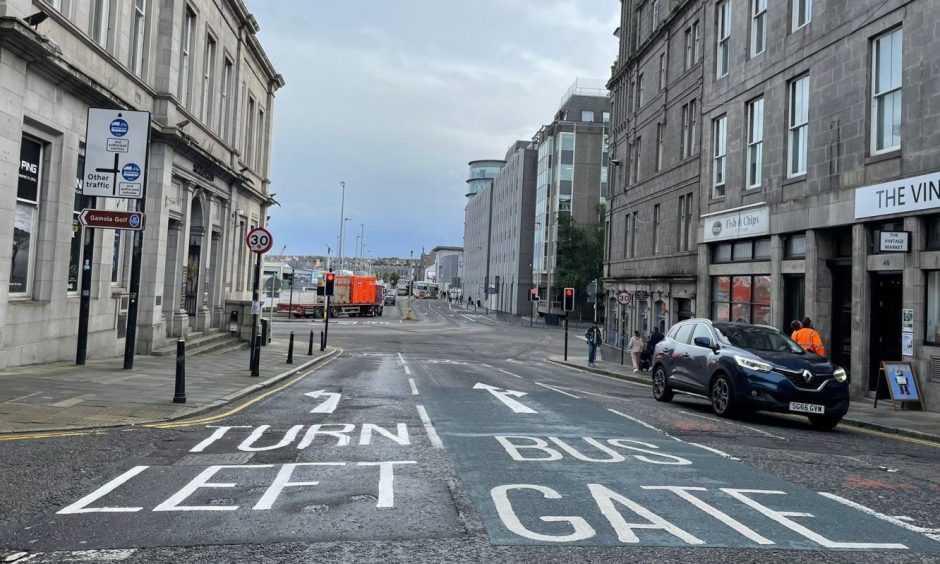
[722,48]
[635,228]
[689,122]
[758,26]
[720,144]
[26,217]
[886,92]
[657,219]
[606,117]
[626,236]
[635,164]
[660,130]
[186,56]
[685,222]
[662,70]
[260,151]
[226,102]
[639,91]
[654,14]
[138,36]
[755,142]
[587,115]
[100,22]
[689,49]
[249,132]
[802,13]
[798,109]
[208,80]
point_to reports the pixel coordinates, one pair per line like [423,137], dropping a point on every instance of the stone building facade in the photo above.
[819,191]
[200,70]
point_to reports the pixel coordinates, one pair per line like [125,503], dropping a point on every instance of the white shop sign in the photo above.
[898,196]
[894,242]
[736,225]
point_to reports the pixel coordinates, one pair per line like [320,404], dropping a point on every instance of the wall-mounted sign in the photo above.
[907,320]
[736,225]
[907,344]
[894,242]
[898,196]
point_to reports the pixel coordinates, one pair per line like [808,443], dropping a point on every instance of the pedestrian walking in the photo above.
[795,326]
[655,337]
[635,346]
[809,338]
[593,338]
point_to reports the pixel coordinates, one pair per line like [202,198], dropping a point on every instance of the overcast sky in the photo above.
[395,96]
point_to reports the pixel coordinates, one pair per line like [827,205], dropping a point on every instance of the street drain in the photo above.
[315,509]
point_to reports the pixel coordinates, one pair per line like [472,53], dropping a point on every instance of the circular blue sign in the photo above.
[130,172]
[134,220]
[119,127]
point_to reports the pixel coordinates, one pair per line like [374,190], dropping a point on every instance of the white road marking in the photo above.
[933,534]
[503,396]
[407,370]
[386,481]
[329,406]
[414,389]
[81,506]
[755,429]
[644,424]
[553,388]
[716,451]
[738,526]
[14,400]
[429,428]
[282,480]
[401,359]
[508,372]
[529,363]
[107,555]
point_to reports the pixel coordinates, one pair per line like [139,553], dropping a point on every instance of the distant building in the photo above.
[476,228]
[448,265]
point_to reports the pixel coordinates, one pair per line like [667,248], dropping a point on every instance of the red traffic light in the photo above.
[569,291]
[330,276]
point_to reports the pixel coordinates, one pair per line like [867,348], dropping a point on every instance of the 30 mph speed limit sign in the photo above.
[259,240]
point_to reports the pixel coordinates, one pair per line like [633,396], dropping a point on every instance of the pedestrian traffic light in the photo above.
[569,299]
[330,278]
[534,295]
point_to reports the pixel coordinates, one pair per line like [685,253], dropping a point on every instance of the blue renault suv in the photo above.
[749,367]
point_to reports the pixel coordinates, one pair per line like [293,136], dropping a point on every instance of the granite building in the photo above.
[200,70]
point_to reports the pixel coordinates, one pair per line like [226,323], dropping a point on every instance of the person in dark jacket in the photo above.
[655,337]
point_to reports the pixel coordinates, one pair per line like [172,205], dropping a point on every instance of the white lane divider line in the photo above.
[401,359]
[429,428]
[933,534]
[407,370]
[644,424]
[414,389]
[755,429]
[715,451]
[508,372]
[554,389]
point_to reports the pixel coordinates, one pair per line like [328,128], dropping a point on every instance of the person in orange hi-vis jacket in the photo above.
[809,338]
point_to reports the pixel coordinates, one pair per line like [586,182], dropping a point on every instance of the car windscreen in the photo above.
[756,338]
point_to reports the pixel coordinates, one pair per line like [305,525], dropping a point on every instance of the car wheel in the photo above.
[824,422]
[661,390]
[722,396]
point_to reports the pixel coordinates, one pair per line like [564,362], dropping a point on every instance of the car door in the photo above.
[698,361]
[678,362]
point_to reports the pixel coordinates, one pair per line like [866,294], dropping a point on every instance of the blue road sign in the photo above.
[130,172]
[119,128]
[134,220]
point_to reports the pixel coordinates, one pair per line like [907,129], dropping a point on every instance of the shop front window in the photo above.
[933,307]
[741,299]
[932,224]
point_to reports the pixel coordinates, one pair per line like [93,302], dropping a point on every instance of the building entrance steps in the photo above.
[907,422]
[206,342]
[62,396]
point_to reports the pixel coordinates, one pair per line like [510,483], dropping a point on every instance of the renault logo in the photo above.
[808,376]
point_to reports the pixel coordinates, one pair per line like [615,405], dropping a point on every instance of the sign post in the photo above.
[117,153]
[624,298]
[259,241]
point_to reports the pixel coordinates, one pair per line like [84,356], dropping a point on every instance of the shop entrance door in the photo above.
[794,300]
[841,344]
[887,293]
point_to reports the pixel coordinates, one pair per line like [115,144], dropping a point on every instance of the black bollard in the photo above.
[310,345]
[256,365]
[322,342]
[290,349]
[179,395]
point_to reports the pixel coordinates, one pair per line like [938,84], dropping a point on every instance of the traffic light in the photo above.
[569,299]
[330,278]
[534,295]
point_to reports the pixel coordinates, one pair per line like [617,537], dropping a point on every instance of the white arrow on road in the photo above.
[503,396]
[329,406]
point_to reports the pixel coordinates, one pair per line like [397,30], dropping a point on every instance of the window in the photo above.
[741,298]
[633,224]
[654,14]
[702,331]
[208,81]
[689,49]
[932,228]
[685,222]
[722,49]
[587,115]
[696,41]
[758,26]
[755,142]
[689,120]
[886,92]
[802,13]
[662,70]
[26,217]
[799,117]
[186,66]
[719,129]
[626,235]
[656,221]
[639,91]
[260,151]
[138,34]
[660,129]
[795,247]
[606,117]
[933,307]
[100,11]
[684,334]
[762,250]
[635,168]
[249,131]
[224,111]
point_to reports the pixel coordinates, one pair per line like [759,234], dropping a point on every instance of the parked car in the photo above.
[749,367]
[390,298]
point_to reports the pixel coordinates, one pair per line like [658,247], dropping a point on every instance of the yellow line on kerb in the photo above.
[234,410]
[916,441]
[48,435]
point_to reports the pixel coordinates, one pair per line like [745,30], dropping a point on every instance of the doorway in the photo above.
[794,300]
[841,344]
[887,294]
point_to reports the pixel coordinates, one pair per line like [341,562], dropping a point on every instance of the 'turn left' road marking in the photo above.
[503,396]
[328,406]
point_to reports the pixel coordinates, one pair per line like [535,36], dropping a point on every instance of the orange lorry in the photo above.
[356,296]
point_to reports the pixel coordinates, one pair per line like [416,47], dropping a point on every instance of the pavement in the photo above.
[63,396]
[907,422]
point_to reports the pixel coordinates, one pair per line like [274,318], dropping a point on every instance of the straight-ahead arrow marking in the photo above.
[503,396]
[329,406]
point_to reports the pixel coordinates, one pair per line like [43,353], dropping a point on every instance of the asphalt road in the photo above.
[452,439]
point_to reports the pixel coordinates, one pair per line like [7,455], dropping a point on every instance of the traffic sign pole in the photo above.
[84,307]
[566,336]
[259,241]
[130,341]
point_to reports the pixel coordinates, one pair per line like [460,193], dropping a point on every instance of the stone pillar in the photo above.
[776,282]
[201,319]
[180,322]
[703,284]
[861,310]
[818,296]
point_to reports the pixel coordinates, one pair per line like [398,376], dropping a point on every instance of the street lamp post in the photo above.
[342,221]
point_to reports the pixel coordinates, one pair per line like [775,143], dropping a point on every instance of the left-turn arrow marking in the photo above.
[329,406]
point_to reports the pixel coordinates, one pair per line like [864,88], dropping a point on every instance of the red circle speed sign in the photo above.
[259,240]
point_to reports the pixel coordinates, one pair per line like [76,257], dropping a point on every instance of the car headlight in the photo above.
[840,375]
[753,364]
